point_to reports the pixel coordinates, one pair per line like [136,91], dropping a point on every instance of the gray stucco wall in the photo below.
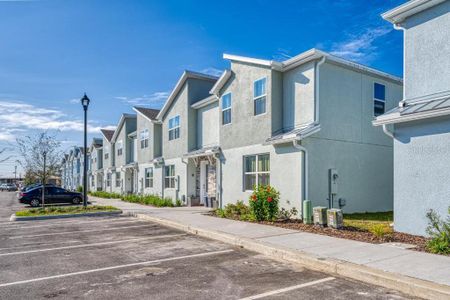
[245,128]
[208,125]
[107,163]
[144,155]
[177,147]
[298,96]
[421,172]
[427,50]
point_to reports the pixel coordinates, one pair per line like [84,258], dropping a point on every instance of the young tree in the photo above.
[2,158]
[40,156]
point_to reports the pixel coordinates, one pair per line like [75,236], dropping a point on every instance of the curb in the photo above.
[405,284]
[94,214]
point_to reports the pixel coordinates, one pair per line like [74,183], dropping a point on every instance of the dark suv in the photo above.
[52,195]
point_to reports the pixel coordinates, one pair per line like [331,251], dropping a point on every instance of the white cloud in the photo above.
[360,47]
[18,116]
[156,99]
[74,101]
[282,54]
[212,71]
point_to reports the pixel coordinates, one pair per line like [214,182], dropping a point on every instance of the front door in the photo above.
[203,181]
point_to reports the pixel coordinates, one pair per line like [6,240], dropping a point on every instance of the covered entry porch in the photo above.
[207,177]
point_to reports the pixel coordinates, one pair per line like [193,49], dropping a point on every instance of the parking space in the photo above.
[126,258]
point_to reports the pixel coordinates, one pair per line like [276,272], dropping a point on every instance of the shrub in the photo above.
[439,231]
[379,230]
[178,203]
[103,194]
[285,214]
[264,203]
[79,189]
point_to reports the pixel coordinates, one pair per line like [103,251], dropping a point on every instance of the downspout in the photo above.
[316,89]
[387,132]
[398,26]
[304,171]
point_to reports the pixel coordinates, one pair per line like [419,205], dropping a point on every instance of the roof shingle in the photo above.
[148,112]
[108,134]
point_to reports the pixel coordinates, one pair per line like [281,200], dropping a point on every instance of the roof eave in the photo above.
[400,13]
[397,118]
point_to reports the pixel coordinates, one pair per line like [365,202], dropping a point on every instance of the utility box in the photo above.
[307,212]
[335,218]
[320,215]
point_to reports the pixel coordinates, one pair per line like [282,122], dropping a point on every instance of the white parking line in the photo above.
[74,223]
[79,231]
[287,289]
[116,267]
[43,244]
[68,221]
[93,244]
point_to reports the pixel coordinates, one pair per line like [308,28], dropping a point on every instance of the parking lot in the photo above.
[126,258]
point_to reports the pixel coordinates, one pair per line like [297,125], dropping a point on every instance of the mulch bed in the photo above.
[352,233]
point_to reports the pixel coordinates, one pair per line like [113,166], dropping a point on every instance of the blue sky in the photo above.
[125,53]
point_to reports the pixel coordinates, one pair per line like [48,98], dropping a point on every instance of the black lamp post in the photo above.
[85,102]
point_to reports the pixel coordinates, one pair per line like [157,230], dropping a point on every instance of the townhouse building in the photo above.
[96,165]
[303,125]
[124,166]
[72,168]
[149,152]
[420,125]
[108,159]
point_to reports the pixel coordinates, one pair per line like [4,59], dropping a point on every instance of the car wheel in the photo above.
[35,202]
[76,200]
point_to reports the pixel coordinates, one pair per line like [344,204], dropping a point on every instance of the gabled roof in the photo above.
[302,58]
[185,76]
[435,105]
[149,113]
[122,120]
[108,134]
[410,8]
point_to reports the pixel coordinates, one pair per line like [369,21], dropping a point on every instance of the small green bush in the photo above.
[178,203]
[379,230]
[285,214]
[153,200]
[107,195]
[439,231]
[79,189]
[264,203]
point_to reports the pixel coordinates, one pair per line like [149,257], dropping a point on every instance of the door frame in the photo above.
[203,181]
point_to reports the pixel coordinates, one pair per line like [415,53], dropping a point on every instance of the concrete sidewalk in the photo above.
[420,274]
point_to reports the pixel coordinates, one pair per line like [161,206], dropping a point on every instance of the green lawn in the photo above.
[63,210]
[370,221]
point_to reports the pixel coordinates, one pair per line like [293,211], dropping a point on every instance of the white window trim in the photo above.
[118,179]
[228,108]
[120,143]
[376,99]
[174,128]
[256,171]
[256,98]
[144,136]
[170,177]
[150,179]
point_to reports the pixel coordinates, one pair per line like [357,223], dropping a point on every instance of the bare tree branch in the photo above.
[3,150]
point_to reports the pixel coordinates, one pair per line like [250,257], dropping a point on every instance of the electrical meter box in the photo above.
[320,215]
[333,182]
[335,218]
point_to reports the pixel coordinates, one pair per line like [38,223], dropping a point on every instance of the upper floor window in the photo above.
[259,96]
[118,181]
[169,178]
[379,99]
[144,136]
[174,128]
[149,177]
[108,179]
[106,150]
[119,146]
[226,109]
[256,171]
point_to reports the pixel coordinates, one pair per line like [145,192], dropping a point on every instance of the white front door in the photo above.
[203,182]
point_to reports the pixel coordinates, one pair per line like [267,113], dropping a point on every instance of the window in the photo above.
[379,99]
[169,177]
[92,181]
[226,109]
[149,177]
[117,179]
[106,152]
[119,148]
[174,128]
[108,179]
[256,171]
[143,136]
[259,96]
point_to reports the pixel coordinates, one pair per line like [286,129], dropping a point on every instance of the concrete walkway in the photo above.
[388,258]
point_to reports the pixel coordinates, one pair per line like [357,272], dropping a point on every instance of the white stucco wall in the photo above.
[208,125]
[421,172]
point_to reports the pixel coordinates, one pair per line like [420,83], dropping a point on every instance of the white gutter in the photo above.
[304,183]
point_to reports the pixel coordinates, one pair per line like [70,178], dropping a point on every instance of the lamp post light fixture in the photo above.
[85,102]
